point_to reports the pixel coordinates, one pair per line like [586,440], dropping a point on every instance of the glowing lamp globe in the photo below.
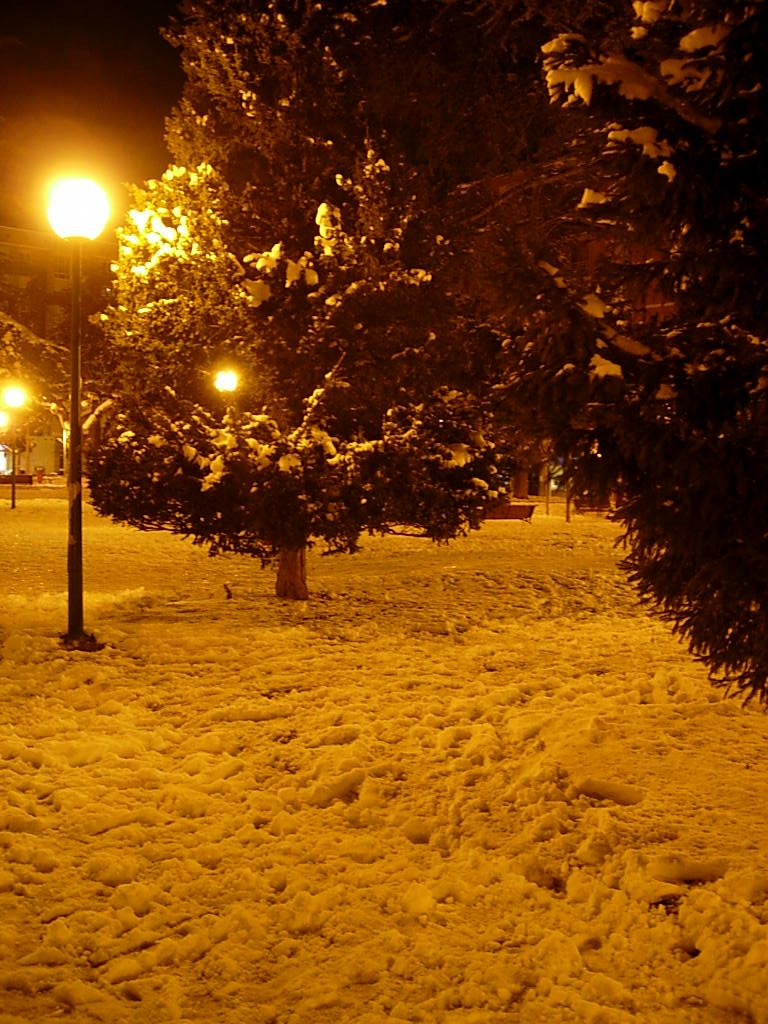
[14,396]
[226,380]
[77,208]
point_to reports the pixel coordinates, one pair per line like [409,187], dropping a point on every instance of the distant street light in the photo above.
[77,209]
[14,397]
[226,380]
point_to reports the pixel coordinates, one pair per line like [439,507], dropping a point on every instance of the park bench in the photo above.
[510,510]
[20,478]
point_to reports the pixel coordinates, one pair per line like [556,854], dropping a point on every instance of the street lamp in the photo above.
[226,380]
[77,209]
[14,397]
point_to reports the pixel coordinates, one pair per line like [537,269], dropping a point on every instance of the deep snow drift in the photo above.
[473,784]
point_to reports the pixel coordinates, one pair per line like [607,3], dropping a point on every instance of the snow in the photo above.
[703,37]
[474,784]
[648,11]
[594,306]
[599,366]
[590,197]
[646,137]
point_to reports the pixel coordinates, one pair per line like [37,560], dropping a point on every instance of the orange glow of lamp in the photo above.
[226,380]
[13,397]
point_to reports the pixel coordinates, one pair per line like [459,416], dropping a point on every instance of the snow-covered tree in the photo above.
[647,360]
[35,348]
[294,240]
[39,365]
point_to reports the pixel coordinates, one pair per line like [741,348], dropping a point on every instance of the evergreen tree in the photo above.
[298,238]
[646,361]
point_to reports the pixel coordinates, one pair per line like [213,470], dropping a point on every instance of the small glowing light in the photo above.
[226,380]
[14,396]
[5,419]
[77,208]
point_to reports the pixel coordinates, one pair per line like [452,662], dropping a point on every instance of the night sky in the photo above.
[85,87]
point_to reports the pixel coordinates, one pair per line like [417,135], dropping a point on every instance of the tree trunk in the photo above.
[292,574]
[520,483]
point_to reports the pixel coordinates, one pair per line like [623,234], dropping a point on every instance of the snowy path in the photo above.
[471,785]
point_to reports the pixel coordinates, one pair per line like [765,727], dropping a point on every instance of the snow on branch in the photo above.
[11,330]
[633,81]
[96,413]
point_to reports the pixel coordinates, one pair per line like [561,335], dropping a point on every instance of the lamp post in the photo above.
[77,209]
[14,397]
[5,422]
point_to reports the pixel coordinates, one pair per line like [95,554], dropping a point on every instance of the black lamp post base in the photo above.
[83,642]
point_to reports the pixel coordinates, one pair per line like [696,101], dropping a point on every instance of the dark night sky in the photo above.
[85,87]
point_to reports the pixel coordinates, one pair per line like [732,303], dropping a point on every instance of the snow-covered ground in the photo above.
[473,784]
